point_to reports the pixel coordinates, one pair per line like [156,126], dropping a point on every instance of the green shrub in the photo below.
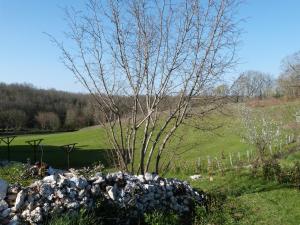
[296,174]
[271,170]
[13,174]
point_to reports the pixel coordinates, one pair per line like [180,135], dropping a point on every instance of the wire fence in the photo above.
[212,164]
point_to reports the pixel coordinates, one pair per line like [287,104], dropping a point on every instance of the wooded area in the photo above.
[24,107]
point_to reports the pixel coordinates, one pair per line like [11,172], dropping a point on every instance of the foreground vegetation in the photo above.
[237,197]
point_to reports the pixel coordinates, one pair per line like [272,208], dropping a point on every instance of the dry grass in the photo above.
[268,102]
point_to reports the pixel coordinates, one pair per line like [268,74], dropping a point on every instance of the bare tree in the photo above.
[147,52]
[289,79]
[253,84]
[48,120]
[12,119]
[222,90]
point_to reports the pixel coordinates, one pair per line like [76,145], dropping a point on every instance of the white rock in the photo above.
[46,190]
[46,208]
[80,182]
[60,194]
[3,189]
[99,180]
[149,177]
[50,179]
[81,193]
[14,221]
[112,192]
[95,190]
[62,180]
[52,171]
[5,212]
[20,200]
[25,213]
[36,215]
[3,205]
[71,192]
[141,178]
[73,205]
[196,177]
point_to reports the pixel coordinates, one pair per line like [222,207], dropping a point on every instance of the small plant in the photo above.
[271,170]
[296,175]
[160,218]
[82,218]
[13,173]
[220,211]
[90,171]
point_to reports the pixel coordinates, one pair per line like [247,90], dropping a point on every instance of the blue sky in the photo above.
[271,32]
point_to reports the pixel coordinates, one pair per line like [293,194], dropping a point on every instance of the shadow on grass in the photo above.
[57,157]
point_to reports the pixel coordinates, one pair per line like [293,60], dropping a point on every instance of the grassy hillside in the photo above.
[192,144]
[93,145]
[247,199]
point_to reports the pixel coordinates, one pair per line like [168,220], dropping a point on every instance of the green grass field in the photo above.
[254,200]
[249,200]
[93,145]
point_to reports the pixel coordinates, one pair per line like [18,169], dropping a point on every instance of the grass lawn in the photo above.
[253,200]
[192,144]
[91,147]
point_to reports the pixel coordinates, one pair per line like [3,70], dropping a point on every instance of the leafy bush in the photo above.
[13,173]
[89,171]
[271,170]
[296,174]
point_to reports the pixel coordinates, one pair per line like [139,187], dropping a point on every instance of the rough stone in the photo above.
[5,213]
[196,177]
[36,215]
[20,200]
[68,192]
[14,221]
[3,205]
[50,179]
[3,189]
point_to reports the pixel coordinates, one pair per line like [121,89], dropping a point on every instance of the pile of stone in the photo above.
[68,192]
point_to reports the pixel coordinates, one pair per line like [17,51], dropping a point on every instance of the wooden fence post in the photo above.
[209,166]
[199,164]
[248,156]
[220,166]
[230,159]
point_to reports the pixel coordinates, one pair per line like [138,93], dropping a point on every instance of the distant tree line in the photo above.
[23,106]
[256,84]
